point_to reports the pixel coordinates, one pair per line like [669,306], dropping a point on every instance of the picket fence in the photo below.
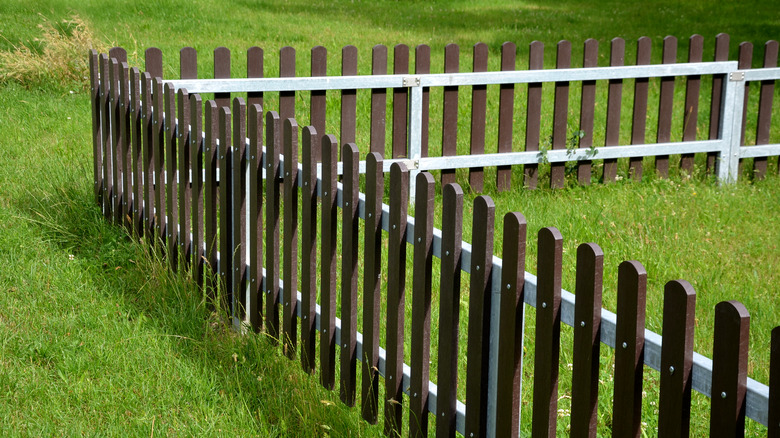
[153,138]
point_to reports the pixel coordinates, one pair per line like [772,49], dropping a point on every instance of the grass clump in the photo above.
[54,60]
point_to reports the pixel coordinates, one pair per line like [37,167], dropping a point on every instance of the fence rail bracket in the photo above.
[412,81]
[737,76]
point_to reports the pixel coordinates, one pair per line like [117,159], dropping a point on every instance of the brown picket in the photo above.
[225,209]
[764,122]
[254,69]
[692,91]
[222,71]
[773,422]
[172,195]
[147,124]
[534,114]
[186,176]
[449,130]
[153,62]
[188,63]
[97,132]
[666,106]
[548,333]
[679,320]
[639,115]
[587,341]
[290,246]
[506,100]
[116,142]
[449,309]
[350,156]
[480,285]
[126,215]
[197,148]
[478,116]
[309,142]
[286,70]
[378,101]
[210,164]
[348,97]
[614,103]
[137,150]
[590,58]
[328,264]
[629,350]
[254,230]
[400,99]
[721,54]
[273,146]
[560,114]
[422,65]
[159,161]
[238,206]
[421,304]
[319,67]
[396,298]
[510,326]
[729,370]
[105,110]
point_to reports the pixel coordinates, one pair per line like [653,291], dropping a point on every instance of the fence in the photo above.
[150,139]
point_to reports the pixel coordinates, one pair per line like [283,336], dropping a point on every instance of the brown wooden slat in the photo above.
[153,62]
[510,326]
[125,146]
[449,309]
[773,428]
[222,71]
[97,132]
[674,404]
[449,130]
[210,164]
[629,350]
[764,122]
[328,263]
[197,148]
[692,91]
[185,178]
[422,65]
[729,369]
[225,209]
[350,155]
[639,117]
[118,53]
[666,106]
[147,124]
[319,67]
[105,110]
[188,63]
[116,142]
[290,264]
[348,97]
[158,133]
[400,99]
[238,207]
[587,341]
[137,151]
[614,103]
[396,297]
[534,114]
[548,332]
[378,101]
[425,199]
[478,116]
[309,142]
[590,58]
[273,146]
[721,54]
[372,285]
[480,284]
[254,69]
[560,114]
[287,70]
[506,101]
[254,229]
[172,195]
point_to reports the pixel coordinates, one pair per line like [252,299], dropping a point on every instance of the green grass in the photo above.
[107,341]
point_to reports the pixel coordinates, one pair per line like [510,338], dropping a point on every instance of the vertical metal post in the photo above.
[495,312]
[730,129]
[415,131]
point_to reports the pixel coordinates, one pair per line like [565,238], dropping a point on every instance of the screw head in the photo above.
[723,394]
[671,370]
[582,323]
[544,305]
[625,345]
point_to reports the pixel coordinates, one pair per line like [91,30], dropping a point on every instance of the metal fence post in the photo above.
[730,129]
[415,131]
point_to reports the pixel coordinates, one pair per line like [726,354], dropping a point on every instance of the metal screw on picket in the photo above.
[446,253]
[477,267]
[723,394]
[582,323]
[508,286]
[625,345]
[544,305]
[419,239]
[671,370]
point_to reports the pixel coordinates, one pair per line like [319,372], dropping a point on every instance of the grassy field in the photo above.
[97,338]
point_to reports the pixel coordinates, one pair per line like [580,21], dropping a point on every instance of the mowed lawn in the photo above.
[97,338]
